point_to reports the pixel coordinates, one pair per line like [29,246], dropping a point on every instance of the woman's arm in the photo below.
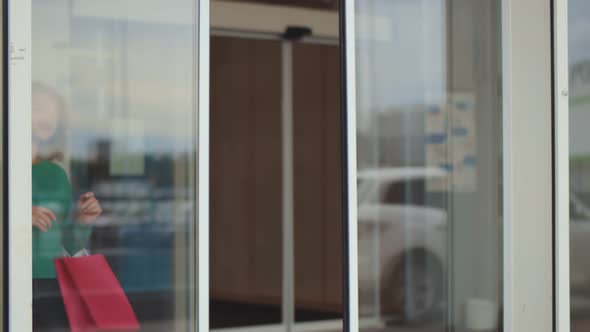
[77,233]
[43,218]
[88,209]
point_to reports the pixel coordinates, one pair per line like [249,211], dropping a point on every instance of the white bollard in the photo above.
[481,314]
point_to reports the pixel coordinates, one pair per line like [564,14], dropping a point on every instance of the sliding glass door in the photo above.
[429,153]
[449,124]
[275,220]
[577,16]
[427,204]
[108,131]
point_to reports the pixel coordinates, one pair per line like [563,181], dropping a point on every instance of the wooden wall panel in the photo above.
[267,240]
[318,231]
[230,143]
[246,224]
[333,180]
[308,128]
[246,230]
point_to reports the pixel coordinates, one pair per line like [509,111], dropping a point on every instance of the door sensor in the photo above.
[295,33]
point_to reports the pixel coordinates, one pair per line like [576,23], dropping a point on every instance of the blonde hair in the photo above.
[52,150]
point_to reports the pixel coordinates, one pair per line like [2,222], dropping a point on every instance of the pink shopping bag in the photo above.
[92,295]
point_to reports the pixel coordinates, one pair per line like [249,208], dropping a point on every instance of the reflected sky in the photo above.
[401,56]
[125,71]
[125,77]
[579,29]
[579,62]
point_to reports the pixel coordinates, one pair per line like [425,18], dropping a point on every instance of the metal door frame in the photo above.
[528,194]
[561,157]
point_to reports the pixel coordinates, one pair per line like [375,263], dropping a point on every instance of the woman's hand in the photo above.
[43,218]
[88,208]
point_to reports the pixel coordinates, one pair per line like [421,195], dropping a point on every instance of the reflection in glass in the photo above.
[248,279]
[114,141]
[317,190]
[246,212]
[429,165]
[579,117]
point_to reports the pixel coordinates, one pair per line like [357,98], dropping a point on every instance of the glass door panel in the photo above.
[318,188]
[246,191]
[114,157]
[429,150]
[276,221]
[579,166]
[275,113]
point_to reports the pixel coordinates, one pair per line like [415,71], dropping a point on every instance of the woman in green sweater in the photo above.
[55,228]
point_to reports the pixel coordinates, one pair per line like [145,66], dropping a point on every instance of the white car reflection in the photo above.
[402,243]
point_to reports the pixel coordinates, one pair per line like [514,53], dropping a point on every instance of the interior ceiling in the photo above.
[318,4]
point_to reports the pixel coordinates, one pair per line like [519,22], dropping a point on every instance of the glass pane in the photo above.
[429,165]
[248,234]
[246,192]
[114,163]
[579,117]
[317,188]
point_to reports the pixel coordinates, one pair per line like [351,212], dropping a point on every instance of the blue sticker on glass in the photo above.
[436,138]
[469,161]
[460,131]
[462,105]
[446,167]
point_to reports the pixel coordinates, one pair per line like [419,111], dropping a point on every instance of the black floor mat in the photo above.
[234,314]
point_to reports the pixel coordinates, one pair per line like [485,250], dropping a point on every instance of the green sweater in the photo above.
[52,190]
